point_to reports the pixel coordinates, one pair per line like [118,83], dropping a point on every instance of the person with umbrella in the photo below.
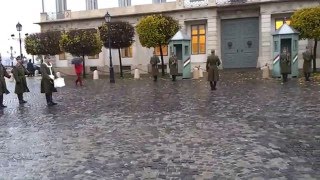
[78,67]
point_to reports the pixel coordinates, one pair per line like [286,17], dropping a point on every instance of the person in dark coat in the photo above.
[3,86]
[213,62]
[285,64]
[173,64]
[47,81]
[19,73]
[154,66]
[307,60]
[30,68]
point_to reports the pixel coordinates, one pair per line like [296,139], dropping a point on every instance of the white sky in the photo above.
[27,12]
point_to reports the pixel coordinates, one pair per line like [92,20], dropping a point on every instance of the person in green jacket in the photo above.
[285,64]
[213,62]
[3,86]
[173,65]
[47,81]
[307,60]
[19,73]
[154,60]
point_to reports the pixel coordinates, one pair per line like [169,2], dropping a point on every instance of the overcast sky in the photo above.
[27,12]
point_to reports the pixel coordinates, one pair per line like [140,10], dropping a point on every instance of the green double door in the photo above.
[240,42]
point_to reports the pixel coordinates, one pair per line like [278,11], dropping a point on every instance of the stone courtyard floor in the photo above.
[137,129]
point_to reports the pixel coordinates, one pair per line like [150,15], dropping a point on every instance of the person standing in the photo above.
[3,86]
[19,73]
[285,64]
[154,66]
[173,64]
[47,81]
[78,69]
[307,60]
[213,62]
[30,68]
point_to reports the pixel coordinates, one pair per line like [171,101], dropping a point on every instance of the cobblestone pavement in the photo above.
[137,129]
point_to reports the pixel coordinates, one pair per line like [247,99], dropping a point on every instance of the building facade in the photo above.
[239,30]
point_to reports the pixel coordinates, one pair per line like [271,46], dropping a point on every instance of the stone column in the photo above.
[265,50]
[212,33]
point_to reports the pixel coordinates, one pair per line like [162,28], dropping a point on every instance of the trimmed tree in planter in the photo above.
[307,22]
[121,36]
[81,43]
[156,31]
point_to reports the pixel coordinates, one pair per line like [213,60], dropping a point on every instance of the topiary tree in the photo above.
[81,42]
[43,43]
[156,31]
[121,36]
[307,22]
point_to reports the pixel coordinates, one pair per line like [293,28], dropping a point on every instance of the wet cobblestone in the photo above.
[137,129]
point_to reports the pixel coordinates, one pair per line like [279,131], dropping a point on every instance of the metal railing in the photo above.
[233,2]
[58,15]
[195,3]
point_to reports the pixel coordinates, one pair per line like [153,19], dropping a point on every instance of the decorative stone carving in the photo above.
[195,3]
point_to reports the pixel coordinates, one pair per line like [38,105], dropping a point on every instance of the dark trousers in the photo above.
[174,77]
[307,76]
[20,97]
[155,78]
[49,97]
[79,79]
[213,85]
[1,100]
[284,77]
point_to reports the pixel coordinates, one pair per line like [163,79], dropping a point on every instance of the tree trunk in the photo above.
[315,55]
[162,62]
[84,67]
[120,60]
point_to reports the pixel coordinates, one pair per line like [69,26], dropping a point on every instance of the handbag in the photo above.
[59,82]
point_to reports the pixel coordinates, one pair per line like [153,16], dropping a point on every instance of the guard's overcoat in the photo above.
[47,84]
[3,86]
[285,64]
[19,73]
[213,62]
[173,64]
[307,60]
[154,65]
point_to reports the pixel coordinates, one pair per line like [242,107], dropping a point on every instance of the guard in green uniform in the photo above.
[307,60]
[3,86]
[154,66]
[213,62]
[19,73]
[285,64]
[173,64]
[47,81]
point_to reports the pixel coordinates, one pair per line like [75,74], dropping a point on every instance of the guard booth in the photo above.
[288,37]
[180,45]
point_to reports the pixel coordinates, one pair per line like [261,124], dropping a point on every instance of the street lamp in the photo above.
[108,20]
[19,29]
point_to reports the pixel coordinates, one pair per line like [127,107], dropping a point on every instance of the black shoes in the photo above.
[2,106]
[22,102]
[52,104]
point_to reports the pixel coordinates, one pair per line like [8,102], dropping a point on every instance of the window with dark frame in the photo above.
[126,52]
[164,50]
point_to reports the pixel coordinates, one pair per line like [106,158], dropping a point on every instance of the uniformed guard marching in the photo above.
[173,64]
[213,62]
[47,81]
[285,64]
[19,73]
[154,66]
[307,60]
[3,86]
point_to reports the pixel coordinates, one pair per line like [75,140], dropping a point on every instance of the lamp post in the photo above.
[11,55]
[108,20]
[19,29]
